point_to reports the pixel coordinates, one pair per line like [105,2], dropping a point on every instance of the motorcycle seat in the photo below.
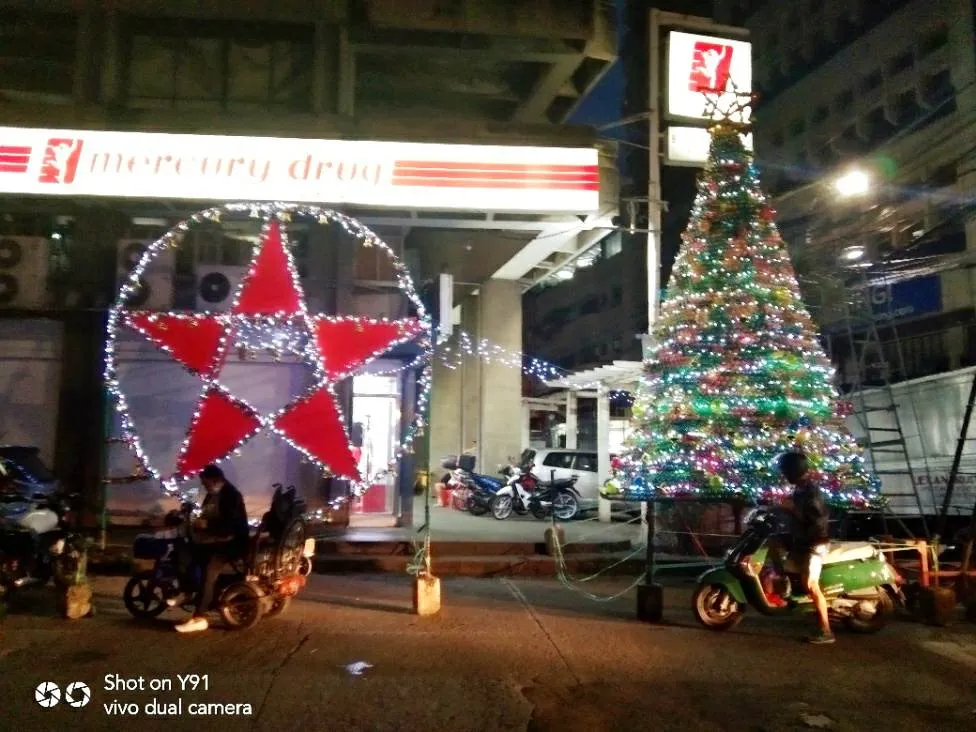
[849,551]
[560,483]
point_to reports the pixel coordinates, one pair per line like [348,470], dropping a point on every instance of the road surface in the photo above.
[502,655]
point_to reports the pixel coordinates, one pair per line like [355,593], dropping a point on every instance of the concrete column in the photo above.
[500,323]
[83,56]
[323,69]
[603,446]
[526,425]
[572,419]
[346,75]
[111,88]
[446,415]
[470,368]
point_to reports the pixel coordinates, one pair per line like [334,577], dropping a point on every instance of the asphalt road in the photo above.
[503,655]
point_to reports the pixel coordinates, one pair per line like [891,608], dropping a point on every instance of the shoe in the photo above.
[776,600]
[193,625]
[821,638]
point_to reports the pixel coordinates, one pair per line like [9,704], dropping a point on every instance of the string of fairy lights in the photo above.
[201,343]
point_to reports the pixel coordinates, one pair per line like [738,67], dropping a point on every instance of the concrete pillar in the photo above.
[470,368]
[111,88]
[446,415]
[500,323]
[526,425]
[603,446]
[346,75]
[572,419]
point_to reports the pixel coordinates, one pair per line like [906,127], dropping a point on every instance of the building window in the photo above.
[901,62]
[219,66]
[933,41]
[872,81]
[38,53]
[612,245]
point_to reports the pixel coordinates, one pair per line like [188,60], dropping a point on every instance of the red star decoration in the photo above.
[313,423]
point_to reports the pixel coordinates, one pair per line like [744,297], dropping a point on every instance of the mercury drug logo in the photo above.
[710,67]
[77,694]
[60,161]
[47,694]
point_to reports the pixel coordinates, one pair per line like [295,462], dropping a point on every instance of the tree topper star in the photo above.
[338,346]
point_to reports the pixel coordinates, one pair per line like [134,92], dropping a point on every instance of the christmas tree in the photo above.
[736,375]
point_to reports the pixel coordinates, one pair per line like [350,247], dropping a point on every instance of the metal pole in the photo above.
[649,569]
[956,460]
[654,173]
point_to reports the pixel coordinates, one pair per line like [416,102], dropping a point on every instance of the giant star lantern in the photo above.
[270,295]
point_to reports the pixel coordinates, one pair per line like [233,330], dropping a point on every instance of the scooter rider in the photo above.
[810,535]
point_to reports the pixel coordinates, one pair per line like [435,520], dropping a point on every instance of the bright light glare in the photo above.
[563,274]
[852,254]
[854,183]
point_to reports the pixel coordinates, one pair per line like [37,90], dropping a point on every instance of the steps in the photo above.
[482,566]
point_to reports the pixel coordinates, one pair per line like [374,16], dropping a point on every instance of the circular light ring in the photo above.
[268,212]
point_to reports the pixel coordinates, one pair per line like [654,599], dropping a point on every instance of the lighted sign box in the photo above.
[699,65]
[688,146]
[228,168]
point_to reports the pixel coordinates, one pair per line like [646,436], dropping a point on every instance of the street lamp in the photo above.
[853,183]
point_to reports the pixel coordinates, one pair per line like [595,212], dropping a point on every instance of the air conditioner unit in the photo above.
[156,284]
[23,271]
[216,287]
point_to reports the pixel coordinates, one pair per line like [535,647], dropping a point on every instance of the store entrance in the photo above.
[376,431]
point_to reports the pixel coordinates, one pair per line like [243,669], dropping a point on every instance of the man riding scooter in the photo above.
[220,536]
[809,541]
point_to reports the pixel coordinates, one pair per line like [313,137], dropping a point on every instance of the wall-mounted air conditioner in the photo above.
[216,287]
[156,284]
[23,271]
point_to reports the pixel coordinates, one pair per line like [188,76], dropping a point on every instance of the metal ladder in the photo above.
[884,438]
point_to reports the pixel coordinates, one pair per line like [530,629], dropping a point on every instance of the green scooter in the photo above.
[862,588]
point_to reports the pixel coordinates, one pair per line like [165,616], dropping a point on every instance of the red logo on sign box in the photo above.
[60,162]
[710,67]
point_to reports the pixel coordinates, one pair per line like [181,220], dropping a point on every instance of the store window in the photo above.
[375,433]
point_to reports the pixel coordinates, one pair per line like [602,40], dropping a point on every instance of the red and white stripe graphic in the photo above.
[434,174]
[14,159]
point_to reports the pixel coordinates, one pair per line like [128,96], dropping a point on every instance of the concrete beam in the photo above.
[546,89]
[555,55]
[548,243]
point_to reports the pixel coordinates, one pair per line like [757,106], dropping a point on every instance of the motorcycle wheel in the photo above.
[476,508]
[240,606]
[715,608]
[305,566]
[565,506]
[883,611]
[143,597]
[501,507]
[538,511]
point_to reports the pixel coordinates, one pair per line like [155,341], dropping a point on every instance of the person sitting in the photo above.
[220,536]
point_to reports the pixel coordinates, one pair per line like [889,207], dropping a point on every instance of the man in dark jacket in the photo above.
[220,536]
[810,536]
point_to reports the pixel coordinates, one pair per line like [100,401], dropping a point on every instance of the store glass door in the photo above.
[376,431]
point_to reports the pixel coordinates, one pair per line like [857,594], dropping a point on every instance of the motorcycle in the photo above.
[33,535]
[525,493]
[476,490]
[261,584]
[862,588]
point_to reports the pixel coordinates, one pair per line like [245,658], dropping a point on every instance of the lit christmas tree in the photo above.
[737,375]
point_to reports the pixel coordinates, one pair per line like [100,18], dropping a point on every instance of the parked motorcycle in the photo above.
[525,493]
[33,534]
[862,588]
[470,491]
